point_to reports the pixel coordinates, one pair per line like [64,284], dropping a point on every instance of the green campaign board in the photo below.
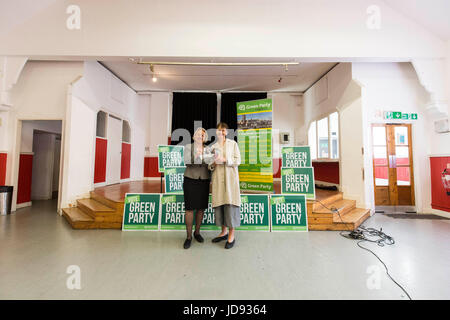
[170,156]
[254,128]
[173,180]
[254,212]
[298,181]
[141,211]
[288,212]
[209,219]
[173,214]
[296,157]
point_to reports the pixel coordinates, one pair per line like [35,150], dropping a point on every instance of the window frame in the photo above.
[328,159]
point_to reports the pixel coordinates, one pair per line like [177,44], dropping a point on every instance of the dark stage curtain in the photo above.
[192,106]
[228,112]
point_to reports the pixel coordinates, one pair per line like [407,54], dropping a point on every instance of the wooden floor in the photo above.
[104,208]
[116,192]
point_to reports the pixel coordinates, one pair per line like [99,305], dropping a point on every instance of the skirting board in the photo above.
[24,205]
[437,212]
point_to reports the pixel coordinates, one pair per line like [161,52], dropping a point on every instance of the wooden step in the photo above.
[342,205]
[94,208]
[77,218]
[326,201]
[350,221]
[354,217]
[107,202]
[80,220]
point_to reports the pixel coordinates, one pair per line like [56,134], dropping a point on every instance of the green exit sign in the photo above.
[397,115]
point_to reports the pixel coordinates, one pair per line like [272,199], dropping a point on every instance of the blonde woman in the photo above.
[226,198]
[196,184]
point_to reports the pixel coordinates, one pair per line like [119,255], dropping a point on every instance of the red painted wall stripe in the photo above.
[439,198]
[326,172]
[126,161]
[151,167]
[3,158]
[25,175]
[101,146]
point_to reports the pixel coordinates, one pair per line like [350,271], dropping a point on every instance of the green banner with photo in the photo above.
[288,212]
[296,157]
[170,156]
[254,212]
[141,211]
[173,179]
[298,181]
[254,131]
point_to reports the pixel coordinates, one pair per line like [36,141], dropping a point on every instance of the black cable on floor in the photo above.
[362,234]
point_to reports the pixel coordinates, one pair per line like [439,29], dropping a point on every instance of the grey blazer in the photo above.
[197,168]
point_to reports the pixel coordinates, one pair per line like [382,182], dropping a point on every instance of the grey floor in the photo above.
[37,246]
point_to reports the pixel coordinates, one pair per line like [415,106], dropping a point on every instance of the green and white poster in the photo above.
[141,211]
[254,127]
[172,212]
[254,212]
[170,156]
[288,213]
[209,219]
[298,181]
[173,180]
[296,157]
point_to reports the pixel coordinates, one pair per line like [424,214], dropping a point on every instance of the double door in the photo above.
[393,165]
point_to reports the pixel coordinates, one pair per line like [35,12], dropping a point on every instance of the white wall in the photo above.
[40,94]
[395,87]
[52,126]
[287,113]
[160,121]
[233,28]
[78,172]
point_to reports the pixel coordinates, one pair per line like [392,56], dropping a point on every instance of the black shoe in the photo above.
[187,243]
[198,237]
[218,239]
[229,245]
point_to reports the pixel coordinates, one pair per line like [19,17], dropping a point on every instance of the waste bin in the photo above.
[6,193]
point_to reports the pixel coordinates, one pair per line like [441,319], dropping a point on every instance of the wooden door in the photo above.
[393,165]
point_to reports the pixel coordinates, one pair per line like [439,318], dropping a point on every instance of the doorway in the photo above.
[40,153]
[393,165]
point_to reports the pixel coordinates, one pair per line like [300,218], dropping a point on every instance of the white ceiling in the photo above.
[433,15]
[297,78]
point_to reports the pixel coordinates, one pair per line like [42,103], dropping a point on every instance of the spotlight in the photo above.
[154,79]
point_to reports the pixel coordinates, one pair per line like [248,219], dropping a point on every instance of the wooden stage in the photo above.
[104,210]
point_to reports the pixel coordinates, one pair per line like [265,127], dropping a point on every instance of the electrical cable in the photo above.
[362,234]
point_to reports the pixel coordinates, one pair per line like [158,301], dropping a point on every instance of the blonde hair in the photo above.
[206,134]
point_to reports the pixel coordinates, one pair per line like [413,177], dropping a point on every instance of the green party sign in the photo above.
[170,156]
[173,180]
[254,212]
[141,211]
[209,219]
[172,212]
[296,157]
[298,181]
[288,213]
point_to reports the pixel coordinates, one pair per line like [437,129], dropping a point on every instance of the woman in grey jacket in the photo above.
[196,184]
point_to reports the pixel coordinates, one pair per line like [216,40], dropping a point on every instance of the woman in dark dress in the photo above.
[196,184]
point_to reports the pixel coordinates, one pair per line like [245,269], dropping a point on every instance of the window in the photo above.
[323,137]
